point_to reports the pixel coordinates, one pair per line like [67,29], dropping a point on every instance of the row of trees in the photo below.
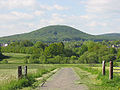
[67,52]
[1,55]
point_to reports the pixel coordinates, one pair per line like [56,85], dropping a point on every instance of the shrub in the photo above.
[4,61]
[73,58]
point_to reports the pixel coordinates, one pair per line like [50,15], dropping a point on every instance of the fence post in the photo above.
[19,72]
[111,70]
[25,71]
[103,68]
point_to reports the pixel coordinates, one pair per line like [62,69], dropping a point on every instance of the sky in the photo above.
[90,16]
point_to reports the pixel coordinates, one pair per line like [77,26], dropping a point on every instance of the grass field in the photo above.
[8,74]
[15,57]
[90,74]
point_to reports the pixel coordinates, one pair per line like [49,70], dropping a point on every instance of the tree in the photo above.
[73,58]
[92,46]
[60,47]
[26,43]
[113,50]
[58,59]
[118,54]
[43,59]
[83,49]
[40,45]
[68,52]
[1,55]
[51,50]
[34,58]
[54,49]
[92,57]
[83,58]
[109,57]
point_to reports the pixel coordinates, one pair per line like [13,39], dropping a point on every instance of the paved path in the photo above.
[64,79]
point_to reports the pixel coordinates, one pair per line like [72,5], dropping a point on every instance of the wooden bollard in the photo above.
[25,71]
[111,70]
[19,72]
[103,68]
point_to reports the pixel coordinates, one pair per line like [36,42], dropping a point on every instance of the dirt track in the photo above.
[65,79]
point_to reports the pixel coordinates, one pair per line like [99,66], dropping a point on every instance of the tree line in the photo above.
[67,52]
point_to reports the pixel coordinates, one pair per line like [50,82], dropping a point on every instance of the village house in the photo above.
[116,46]
[4,44]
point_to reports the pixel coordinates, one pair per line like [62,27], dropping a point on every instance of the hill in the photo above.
[111,36]
[50,34]
[58,33]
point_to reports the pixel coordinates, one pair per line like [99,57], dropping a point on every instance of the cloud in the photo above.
[53,7]
[11,4]
[101,15]
[103,6]
[92,16]
[15,15]
[58,7]
[39,12]
[21,15]
[28,4]
[94,24]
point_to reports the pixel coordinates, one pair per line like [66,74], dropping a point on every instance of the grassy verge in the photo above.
[25,82]
[95,81]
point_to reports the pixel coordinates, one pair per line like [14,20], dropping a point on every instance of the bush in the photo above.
[26,60]
[115,64]
[73,58]
[43,59]
[4,61]
[34,58]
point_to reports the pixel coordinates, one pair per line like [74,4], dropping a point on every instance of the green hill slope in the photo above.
[51,34]
[111,36]
[58,33]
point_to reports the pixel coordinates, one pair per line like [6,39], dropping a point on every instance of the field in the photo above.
[9,72]
[90,75]
[15,57]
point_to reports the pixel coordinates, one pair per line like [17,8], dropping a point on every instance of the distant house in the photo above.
[116,46]
[4,44]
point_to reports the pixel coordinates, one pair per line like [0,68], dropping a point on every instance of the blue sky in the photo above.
[90,16]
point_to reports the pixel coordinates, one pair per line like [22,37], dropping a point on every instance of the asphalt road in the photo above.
[64,79]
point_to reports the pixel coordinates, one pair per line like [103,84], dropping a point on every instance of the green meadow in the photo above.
[90,74]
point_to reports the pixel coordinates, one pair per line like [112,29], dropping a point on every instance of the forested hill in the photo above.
[58,33]
[111,36]
[51,34]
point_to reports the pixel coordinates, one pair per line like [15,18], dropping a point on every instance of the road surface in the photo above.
[64,79]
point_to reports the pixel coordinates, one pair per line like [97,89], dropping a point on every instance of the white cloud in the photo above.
[21,15]
[94,24]
[53,7]
[6,18]
[103,6]
[28,4]
[38,13]
[95,16]
[14,15]
[58,7]
[11,4]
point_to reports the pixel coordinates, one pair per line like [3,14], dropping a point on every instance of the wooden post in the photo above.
[19,72]
[25,71]
[111,70]
[103,68]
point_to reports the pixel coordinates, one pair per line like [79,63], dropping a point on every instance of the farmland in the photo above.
[9,72]
[15,57]
[90,74]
